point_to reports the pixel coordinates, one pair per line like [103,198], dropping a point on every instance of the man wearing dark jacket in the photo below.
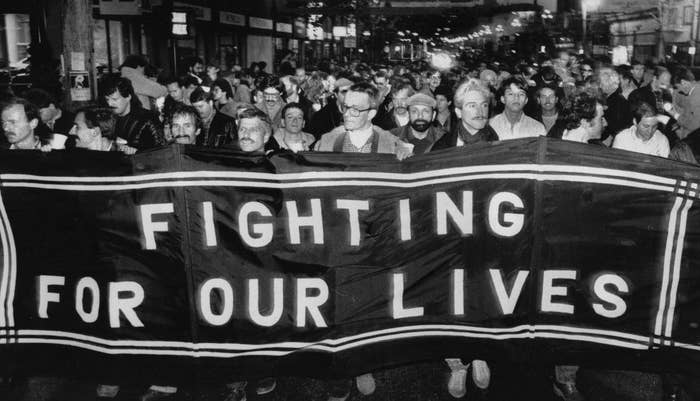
[618,113]
[472,101]
[219,130]
[419,132]
[58,120]
[138,127]
[329,116]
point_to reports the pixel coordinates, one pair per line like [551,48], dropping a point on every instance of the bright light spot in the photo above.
[366,33]
[441,61]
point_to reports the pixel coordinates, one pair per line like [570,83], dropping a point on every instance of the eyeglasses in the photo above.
[353,111]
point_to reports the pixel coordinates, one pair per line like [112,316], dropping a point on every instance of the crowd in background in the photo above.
[405,109]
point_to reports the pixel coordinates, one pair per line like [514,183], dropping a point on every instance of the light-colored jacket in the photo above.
[388,143]
[146,90]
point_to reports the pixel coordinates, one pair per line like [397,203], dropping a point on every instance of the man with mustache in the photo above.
[472,99]
[138,127]
[512,123]
[19,122]
[420,132]
[254,130]
[548,110]
[185,124]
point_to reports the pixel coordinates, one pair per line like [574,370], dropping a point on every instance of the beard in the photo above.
[420,125]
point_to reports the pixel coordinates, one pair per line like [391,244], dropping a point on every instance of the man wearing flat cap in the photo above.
[419,131]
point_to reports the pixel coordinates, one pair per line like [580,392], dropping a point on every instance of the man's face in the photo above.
[342,91]
[638,72]
[289,86]
[400,102]
[294,120]
[514,99]
[434,80]
[175,91]
[646,127]
[212,72]
[300,75]
[442,103]
[547,99]
[184,129]
[664,80]
[252,136]
[420,117]
[586,70]
[218,94]
[475,110]
[118,103]
[47,113]
[15,124]
[80,129]
[598,123]
[381,83]
[204,108]
[197,69]
[271,97]
[356,103]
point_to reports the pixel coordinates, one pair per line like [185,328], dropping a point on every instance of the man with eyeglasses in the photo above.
[512,123]
[330,116]
[358,135]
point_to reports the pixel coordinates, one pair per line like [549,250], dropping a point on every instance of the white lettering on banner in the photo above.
[397,309]
[505,300]
[209,227]
[315,220]
[125,306]
[149,227]
[225,291]
[549,290]
[309,303]
[353,207]
[89,284]
[405,219]
[265,231]
[515,220]
[619,305]
[462,219]
[254,303]
[458,292]
[45,296]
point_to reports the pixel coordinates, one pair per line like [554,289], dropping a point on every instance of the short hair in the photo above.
[134,61]
[445,91]
[254,112]
[580,106]
[187,80]
[101,117]
[199,94]
[40,98]
[121,85]
[269,81]
[404,87]
[380,74]
[608,76]
[225,86]
[369,90]
[660,70]
[642,110]
[182,109]
[470,85]
[637,62]
[516,80]
[30,110]
[683,73]
[558,91]
[171,79]
[293,105]
[192,61]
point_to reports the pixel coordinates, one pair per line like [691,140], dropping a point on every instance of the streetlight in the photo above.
[585,6]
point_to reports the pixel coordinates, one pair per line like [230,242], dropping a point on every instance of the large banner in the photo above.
[186,262]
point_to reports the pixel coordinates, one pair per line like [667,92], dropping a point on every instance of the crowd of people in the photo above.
[404,110]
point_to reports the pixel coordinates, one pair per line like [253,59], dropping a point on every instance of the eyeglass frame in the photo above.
[355,111]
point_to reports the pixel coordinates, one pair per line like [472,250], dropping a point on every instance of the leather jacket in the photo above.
[140,128]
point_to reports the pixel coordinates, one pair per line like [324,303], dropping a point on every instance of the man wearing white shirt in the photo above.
[643,137]
[513,123]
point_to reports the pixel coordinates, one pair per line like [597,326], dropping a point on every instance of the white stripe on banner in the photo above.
[339,183]
[328,175]
[672,220]
[12,252]
[605,337]
[5,277]
[676,275]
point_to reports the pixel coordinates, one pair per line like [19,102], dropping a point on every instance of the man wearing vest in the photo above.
[357,134]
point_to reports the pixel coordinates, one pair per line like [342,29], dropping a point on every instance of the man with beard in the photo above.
[472,99]
[420,132]
[512,123]
[271,102]
[138,127]
[195,69]
[398,115]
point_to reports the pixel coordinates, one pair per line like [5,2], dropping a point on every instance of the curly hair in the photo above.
[580,106]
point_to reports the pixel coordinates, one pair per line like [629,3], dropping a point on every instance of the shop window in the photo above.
[16,41]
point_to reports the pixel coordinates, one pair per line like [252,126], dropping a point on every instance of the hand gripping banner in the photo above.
[186,262]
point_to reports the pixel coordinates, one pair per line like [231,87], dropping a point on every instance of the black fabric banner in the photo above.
[186,262]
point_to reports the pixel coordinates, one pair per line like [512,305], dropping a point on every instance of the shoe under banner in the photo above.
[187,263]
